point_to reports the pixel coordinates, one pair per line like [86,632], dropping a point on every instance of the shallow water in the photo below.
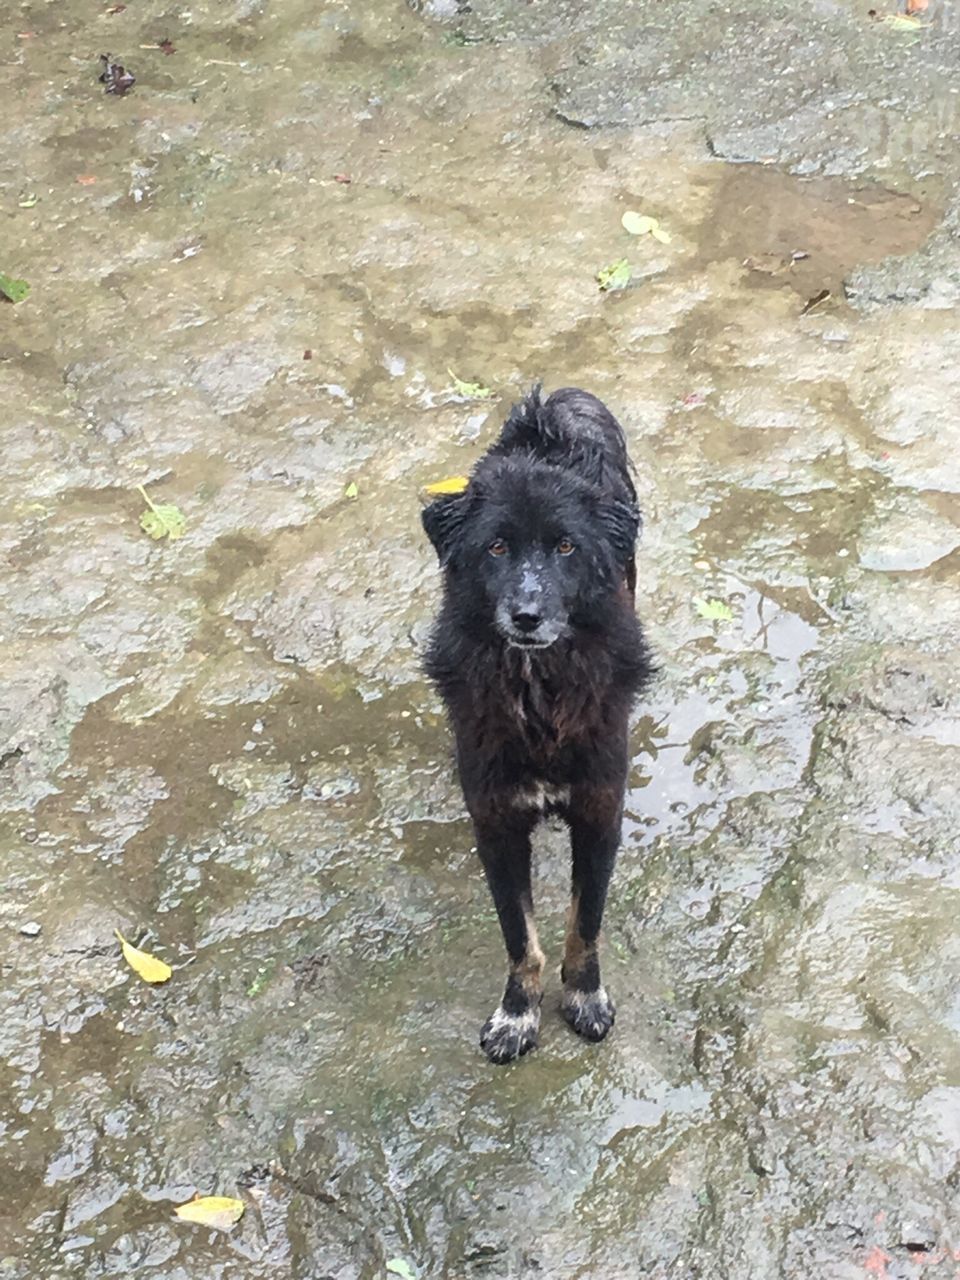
[222,746]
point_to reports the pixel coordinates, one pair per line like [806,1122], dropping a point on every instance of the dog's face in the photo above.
[532,551]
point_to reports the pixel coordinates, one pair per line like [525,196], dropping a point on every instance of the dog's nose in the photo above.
[524,620]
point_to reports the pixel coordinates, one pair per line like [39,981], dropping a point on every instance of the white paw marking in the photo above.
[521,1024]
[577,999]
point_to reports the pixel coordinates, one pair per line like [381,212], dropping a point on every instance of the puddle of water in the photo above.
[768,217]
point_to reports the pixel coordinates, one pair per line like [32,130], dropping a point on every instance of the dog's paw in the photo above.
[506,1036]
[590,1013]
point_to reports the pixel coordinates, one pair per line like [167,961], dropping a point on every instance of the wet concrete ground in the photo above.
[222,745]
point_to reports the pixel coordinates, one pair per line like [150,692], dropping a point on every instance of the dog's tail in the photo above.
[572,429]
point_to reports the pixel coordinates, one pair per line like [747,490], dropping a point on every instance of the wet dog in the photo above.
[538,655]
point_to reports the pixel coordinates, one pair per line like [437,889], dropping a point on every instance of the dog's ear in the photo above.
[621,523]
[442,522]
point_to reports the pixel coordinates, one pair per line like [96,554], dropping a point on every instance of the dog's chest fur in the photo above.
[547,702]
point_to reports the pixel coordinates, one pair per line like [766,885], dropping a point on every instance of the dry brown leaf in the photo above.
[815,301]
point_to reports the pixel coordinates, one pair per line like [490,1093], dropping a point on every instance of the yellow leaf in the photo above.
[211,1211]
[638,224]
[147,966]
[452,484]
[904,22]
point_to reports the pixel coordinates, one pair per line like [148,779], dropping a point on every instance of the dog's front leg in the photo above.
[595,820]
[504,848]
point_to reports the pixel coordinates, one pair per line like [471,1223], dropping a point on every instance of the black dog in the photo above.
[538,654]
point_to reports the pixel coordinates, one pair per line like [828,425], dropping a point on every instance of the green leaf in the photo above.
[398,1267]
[15,290]
[27,201]
[351,491]
[713,610]
[261,979]
[470,390]
[616,276]
[161,520]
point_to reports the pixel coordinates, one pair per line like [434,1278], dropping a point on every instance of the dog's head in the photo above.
[531,550]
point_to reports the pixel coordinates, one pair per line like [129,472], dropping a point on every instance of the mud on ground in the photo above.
[223,747]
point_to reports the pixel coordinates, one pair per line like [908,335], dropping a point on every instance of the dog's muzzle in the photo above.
[524,628]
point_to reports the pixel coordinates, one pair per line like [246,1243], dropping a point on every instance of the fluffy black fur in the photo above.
[538,656]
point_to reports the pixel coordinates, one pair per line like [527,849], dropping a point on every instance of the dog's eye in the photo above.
[497,547]
[565,546]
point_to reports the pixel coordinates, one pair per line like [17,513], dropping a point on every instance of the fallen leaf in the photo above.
[693,400]
[639,224]
[343,178]
[903,22]
[261,980]
[115,78]
[452,484]
[15,290]
[351,491]
[163,520]
[86,179]
[616,276]
[221,1212]
[28,201]
[713,610]
[815,301]
[400,1267]
[116,8]
[470,390]
[149,968]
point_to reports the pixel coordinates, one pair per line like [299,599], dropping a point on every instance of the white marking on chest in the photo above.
[540,796]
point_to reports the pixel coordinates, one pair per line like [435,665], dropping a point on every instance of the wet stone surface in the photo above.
[222,745]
